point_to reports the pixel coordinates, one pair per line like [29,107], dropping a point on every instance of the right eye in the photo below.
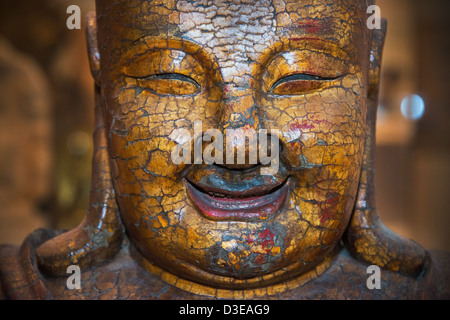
[169,84]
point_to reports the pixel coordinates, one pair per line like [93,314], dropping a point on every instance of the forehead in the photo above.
[237,30]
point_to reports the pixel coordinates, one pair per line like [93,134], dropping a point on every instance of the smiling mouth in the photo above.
[255,203]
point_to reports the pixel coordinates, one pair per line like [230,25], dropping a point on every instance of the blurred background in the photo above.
[47,103]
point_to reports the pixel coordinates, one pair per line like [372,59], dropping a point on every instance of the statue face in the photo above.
[295,67]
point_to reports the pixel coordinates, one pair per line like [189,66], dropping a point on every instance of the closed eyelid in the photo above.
[174,84]
[301,83]
[167,76]
[302,77]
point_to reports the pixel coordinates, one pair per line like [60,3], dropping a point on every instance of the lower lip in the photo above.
[246,209]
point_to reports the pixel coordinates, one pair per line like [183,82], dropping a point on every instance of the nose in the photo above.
[238,108]
[239,123]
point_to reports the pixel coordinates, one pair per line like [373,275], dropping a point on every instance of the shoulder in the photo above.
[9,270]
[19,275]
[435,280]
[3,260]
[349,278]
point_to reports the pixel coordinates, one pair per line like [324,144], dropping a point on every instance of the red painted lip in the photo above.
[237,207]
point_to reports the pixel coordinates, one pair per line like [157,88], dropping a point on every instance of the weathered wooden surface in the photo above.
[310,71]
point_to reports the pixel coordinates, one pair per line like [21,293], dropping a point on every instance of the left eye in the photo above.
[296,84]
[169,84]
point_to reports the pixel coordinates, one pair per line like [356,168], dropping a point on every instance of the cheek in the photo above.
[325,189]
[316,221]
[145,177]
[321,128]
[140,128]
[324,145]
[149,187]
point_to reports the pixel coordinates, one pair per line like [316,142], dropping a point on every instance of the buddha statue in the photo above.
[304,72]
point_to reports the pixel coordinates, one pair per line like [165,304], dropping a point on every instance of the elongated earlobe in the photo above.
[366,237]
[99,236]
[91,42]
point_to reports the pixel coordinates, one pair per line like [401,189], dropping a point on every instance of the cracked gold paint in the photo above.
[235,53]
[307,68]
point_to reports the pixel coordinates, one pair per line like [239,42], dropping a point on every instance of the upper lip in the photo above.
[222,182]
[228,193]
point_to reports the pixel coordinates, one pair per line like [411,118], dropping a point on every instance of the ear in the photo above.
[99,236]
[366,237]
[376,54]
[92,46]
